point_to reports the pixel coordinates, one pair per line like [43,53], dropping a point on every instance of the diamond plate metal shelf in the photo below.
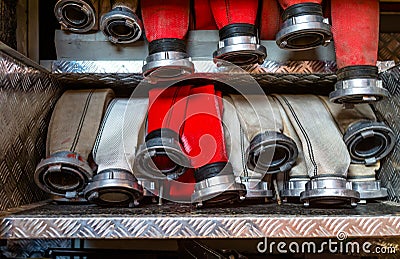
[51,221]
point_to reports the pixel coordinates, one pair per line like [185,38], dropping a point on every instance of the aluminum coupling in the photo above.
[76,15]
[329,190]
[114,187]
[358,84]
[216,185]
[271,153]
[167,59]
[239,44]
[161,156]
[121,25]
[369,141]
[303,28]
[64,174]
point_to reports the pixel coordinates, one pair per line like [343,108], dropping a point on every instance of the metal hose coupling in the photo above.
[239,44]
[329,190]
[216,184]
[76,15]
[121,24]
[63,173]
[113,187]
[358,84]
[167,59]
[369,141]
[363,180]
[271,153]
[256,188]
[161,156]
[293,187]
[304,27]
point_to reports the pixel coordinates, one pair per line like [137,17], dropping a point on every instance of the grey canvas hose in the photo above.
[270,151]
[326,156]
[297,177]
[236,144]
[367,140]
[71,135]
[114,152]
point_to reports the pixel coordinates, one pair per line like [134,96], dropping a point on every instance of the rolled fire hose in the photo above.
[166,24]
[236,145]
[77,15]
[367,140]
[270,151]
[304,26]
[203,18]
[355,26]
[295,180]
[205,145]
[161,156]
[238,38]
[70,138]
[270,20]
[325,153]
[114,152]
[121,24]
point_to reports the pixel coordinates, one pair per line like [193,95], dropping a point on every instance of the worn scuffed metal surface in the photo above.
[27,96]
[184,221]
[389,111]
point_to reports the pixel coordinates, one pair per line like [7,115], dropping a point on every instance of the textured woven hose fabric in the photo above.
[324,150]
[257,114]
[356,39]
[203,18]
[236,141]
[76,119]
[270,20]
[360,173]
[287,3]
[117,141]
[131,4]
[346,117]
[167,108]
[227,12]
[202,133]
[8,22]
[27,97]
[299,170]
[165,19]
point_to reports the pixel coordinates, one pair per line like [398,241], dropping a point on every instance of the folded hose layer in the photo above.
[114,153]
[70,138]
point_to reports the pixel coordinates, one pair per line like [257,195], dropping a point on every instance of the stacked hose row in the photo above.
[189,143]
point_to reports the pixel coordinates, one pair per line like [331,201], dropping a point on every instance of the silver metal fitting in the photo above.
[359,90]
[168,65]
[165,147]
[369,141]
[304,32]
[63,173]
[240,50]
[256,188]
[293,188]
[271,153]
[369,189]
[329,191]
[121,25]
[113,187]
[221,189]
[75,15]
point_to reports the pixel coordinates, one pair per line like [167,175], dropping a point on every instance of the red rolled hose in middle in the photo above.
[287,3]
[203,18]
